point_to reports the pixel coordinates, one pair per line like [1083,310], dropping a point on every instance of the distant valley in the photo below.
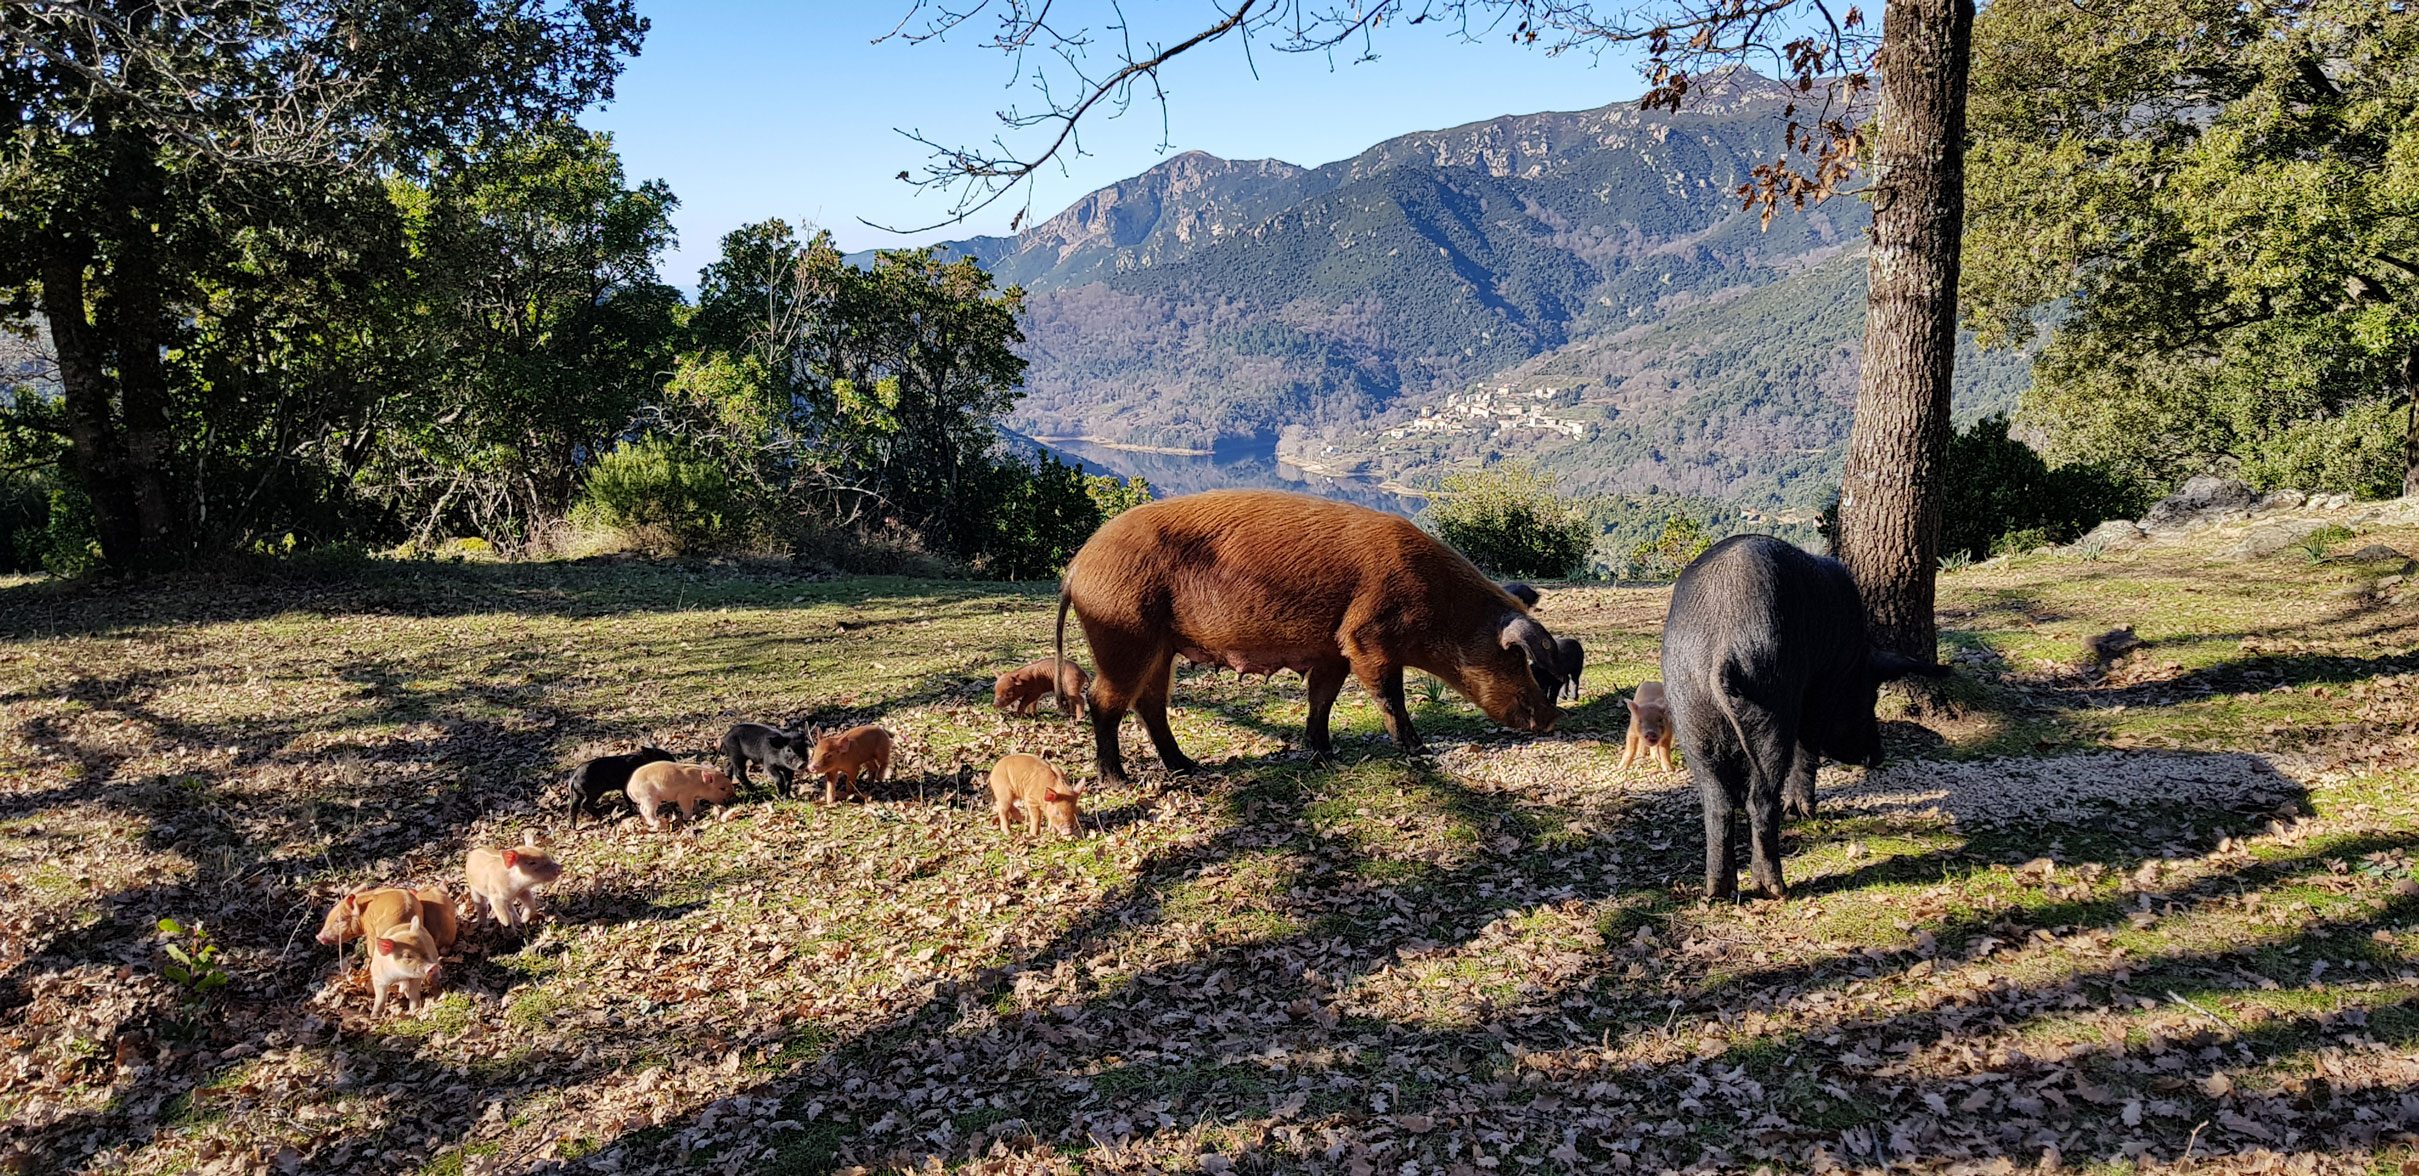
[1577,288]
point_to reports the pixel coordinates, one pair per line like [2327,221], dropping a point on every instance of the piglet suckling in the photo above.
[403,958]
[504,882]
[656,786]
[1029,782]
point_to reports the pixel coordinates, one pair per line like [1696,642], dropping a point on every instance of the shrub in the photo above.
[2357,453]
[1509,521]
[67,543]
[1037,515]
[2001,496]
[1115,496]
[654,486]
[24,516]
[2019,541]
[1667,555]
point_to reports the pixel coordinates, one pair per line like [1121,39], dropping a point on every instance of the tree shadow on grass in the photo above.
[577,589]
[1350,910]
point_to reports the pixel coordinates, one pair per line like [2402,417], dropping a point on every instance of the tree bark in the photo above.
[139,315]
[1890,500]
[2410,425]
[95,453]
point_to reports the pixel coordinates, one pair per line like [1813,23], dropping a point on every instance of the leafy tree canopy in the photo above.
[2224,199]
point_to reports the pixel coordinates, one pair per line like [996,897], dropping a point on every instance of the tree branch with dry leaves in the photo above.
[1824,54]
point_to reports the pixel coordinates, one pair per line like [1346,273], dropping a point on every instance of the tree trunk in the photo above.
[96,454]
[2410,425]
[1889,514]
[139,314]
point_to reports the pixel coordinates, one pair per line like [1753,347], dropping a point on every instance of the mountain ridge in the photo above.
[1206,303]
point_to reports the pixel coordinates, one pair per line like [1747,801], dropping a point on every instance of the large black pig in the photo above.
[1767,669]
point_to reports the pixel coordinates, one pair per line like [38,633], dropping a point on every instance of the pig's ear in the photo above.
[512,857]
[386,947]
[1632,704]
[1521,631]
[1886,666]
[1052,796]
[1526,595]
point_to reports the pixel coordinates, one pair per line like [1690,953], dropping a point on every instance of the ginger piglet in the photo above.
[504,883]
[656,786]
[1029,782]
[1650,727]
[851,757]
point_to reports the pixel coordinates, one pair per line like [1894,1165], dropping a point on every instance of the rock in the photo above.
[2374,553]
[2269,538]
[2110,535]
[2200,496]
[2331,501]
[2394,512]
[2280,500]
[2112,644]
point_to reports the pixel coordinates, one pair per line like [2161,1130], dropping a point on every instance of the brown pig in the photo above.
[1040,789]
[403,957]
[504,882]
[1649,726]
[854,755]
[656,785]
[1259,581]
[373,912]
[1022,689]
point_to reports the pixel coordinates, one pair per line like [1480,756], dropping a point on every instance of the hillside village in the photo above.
[1496,411]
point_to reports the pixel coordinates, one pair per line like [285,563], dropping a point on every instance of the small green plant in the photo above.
[1431,690]
[2317,543]
[1956,561]
[2089,551]
[193,960]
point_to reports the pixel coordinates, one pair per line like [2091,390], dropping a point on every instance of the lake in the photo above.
[1236,465]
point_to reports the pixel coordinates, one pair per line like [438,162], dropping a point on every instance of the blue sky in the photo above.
[761,108]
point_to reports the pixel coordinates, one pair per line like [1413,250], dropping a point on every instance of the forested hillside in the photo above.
[1209,300]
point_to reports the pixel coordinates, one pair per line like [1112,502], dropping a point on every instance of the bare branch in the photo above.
[178,74]
[1688,44]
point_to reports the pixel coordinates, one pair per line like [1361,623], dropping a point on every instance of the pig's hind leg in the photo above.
[1719,766]
[1151,705]
[1797,800]
[1325,683]
[1771,754]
